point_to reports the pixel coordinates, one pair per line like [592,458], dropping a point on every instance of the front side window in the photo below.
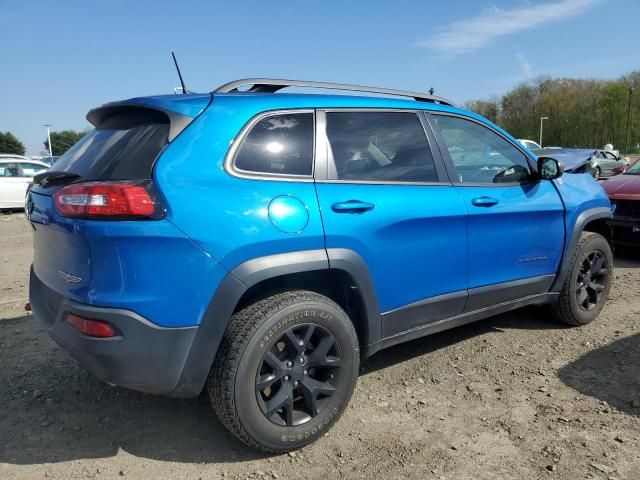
[479,155]
[278,144]
[9,170]
[380,146]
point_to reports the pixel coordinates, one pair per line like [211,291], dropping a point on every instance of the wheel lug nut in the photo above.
[304,373]
[295,384]
[289,364]
[301,360]
[286,378]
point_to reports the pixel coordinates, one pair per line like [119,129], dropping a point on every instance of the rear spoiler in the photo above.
[134,114]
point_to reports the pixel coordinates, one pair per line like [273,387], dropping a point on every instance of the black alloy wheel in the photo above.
[591,281]
[297,376]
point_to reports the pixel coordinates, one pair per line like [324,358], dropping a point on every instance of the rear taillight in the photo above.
[93,328]
[109,200]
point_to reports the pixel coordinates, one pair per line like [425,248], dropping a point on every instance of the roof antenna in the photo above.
[184,89]
[431,90]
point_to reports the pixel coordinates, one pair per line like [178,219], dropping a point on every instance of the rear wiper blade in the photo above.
[47,177]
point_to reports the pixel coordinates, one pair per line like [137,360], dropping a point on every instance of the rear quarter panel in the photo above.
[227,216]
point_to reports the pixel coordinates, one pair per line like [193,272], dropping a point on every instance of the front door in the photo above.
[516,223]
[13,186]
[384,195]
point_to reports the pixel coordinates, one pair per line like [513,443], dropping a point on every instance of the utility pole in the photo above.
[542,119]
[48,125]
[626,141]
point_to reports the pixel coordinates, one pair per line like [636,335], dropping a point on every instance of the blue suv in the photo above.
[257,245]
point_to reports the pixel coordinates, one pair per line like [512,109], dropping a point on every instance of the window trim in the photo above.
[325,160]
[451,168]
[238,141]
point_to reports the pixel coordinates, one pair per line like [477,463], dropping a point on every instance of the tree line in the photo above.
[582,113]
[60,142]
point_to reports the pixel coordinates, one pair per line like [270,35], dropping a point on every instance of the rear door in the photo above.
[516,223]
[385,196]
[610,162]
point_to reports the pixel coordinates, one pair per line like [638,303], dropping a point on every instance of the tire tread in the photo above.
[561,310]
[242,327]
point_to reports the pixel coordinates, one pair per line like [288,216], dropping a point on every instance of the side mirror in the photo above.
[549,168]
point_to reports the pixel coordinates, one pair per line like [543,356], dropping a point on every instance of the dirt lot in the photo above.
[515,396]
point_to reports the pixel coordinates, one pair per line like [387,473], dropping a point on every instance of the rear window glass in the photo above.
[123,147]
[280,144]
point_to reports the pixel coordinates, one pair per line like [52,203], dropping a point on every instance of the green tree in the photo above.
[582,113]
[488,109]
[62,141]
[9,143]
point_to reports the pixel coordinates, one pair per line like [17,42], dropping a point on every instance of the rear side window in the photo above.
[278,144]
[380,146]
[123,147]
[31,169]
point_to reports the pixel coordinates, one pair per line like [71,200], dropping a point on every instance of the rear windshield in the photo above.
[123,147]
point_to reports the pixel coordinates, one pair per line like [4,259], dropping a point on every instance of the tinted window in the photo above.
[380,146]
[281,144]
[31,169]
[479,154]
[123,147]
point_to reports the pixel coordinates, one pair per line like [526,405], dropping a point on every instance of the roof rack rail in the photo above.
[272,85]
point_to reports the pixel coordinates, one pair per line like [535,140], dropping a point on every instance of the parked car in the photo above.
[599,163]
[530,144]
[606,164]
[258,244]
[624,193]
[574,160]
[16,172]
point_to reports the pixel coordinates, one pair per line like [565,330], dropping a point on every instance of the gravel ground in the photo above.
[514,396]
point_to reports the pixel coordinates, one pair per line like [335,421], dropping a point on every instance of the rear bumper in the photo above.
[145,357]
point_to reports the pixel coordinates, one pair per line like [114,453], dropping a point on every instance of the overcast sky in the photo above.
[61,58]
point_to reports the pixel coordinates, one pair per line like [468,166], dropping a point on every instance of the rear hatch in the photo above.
[119,153]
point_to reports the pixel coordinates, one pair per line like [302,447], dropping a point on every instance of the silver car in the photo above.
[604,162]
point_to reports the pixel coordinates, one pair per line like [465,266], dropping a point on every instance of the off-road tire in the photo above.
[254,330]
[567,309]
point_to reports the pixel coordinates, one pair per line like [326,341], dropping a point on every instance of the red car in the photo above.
[624,193]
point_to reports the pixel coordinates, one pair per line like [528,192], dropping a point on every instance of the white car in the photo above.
[16,173]
[530,144]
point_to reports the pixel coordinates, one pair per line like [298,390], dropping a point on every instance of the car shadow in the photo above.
[626,258]
[610,373]
[528,318]
[53,411]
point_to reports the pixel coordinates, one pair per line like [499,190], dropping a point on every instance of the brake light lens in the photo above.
[109,200]
[93,328]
